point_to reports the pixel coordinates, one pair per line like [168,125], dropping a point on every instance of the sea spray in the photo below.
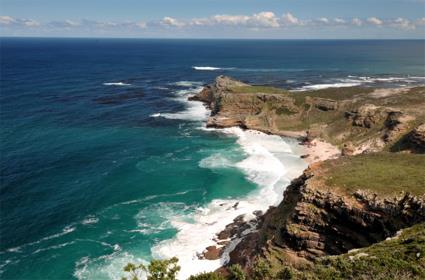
[265,164]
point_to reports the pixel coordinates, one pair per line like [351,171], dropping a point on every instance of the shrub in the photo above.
[236,272]
[207,276]
[156,270]
[261,270]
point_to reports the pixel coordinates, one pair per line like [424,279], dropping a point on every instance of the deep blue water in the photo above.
[90,179]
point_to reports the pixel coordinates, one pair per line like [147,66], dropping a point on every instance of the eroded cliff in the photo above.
[362,119]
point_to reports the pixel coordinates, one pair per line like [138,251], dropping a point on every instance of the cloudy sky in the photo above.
[286,19]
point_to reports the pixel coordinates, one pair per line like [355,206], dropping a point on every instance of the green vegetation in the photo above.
[382,173]
[284,111]
[237,272]
[258,89]
[333,93]
[207,276]
[262,270]
[402,257]
[156,270]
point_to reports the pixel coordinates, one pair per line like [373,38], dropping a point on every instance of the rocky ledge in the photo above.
[316,220]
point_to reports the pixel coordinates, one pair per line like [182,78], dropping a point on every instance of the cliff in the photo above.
[334,208]
[358,119]
[363,198]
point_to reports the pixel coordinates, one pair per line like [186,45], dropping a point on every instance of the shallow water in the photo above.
[103,160]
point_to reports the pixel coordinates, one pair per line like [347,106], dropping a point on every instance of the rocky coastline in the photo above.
[338,127]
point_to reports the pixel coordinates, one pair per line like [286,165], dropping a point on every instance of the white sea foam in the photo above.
[66,230]
[206,68]
[187,84]
[106,267]
[333,85]
[116,84]
[90,220]
[270,162]
[195,111]
[216,161]
[156,115]
[351,81]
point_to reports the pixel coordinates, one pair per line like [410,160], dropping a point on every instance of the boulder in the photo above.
[325,104]
[366,115]
[417,137]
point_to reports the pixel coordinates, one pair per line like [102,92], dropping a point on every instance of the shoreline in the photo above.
[220,225]
[239,114]
[226,240]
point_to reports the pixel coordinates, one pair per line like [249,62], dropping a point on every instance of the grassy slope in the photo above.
[382,173]
[258,89]
[402,257]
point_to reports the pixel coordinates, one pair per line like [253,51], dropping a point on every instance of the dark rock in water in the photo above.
[212,253]
[304,156]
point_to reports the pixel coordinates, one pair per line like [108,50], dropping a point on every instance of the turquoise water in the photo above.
[103,161]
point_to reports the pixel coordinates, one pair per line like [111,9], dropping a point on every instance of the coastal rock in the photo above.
[366,115]
[417,138]
[224,83]
[336,116]
[212,253]
[324,104]
[313,221]
[348,149]
[397,124]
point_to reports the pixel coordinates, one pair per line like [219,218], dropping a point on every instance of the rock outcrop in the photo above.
[314,221]
[368,121]
[417,138]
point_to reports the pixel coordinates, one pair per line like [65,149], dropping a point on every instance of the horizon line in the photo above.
[209,38]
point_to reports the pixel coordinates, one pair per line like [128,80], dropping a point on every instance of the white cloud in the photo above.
[402,23]
[264,19]
[323,20]
[290,19]
[30,23]
[375,21]
[357,22]
[259,20]
[169,21]
[6,20]
[339,21]
[71,23]
[10,21]
[229,20]
[420,21]
[141,24]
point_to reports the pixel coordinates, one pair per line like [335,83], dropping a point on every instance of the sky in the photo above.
[236,19]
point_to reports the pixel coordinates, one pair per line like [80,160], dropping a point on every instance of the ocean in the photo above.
[105,162]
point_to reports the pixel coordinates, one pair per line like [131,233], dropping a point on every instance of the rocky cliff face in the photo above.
[314,221]
[417,138]
[365,119]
